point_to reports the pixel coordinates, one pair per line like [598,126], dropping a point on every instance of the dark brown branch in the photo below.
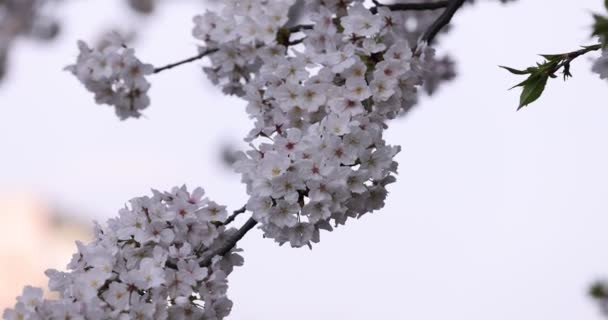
[196,57]
[443,20]
[234,215]
[230,243]
[568,57]
[300,27]
[295,42]
[410,6]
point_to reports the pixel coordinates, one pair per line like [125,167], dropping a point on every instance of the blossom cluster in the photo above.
[412,24]
[320,107]
[238,31]
[24,18]
[113,73]
[145,264]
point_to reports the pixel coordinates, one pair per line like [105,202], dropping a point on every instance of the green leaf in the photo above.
[338,24]
[593,46]
[525,82]
[283,36]
[606,4]
[551,57]
[515,71]
[598,291]
[600,26]
[533,88]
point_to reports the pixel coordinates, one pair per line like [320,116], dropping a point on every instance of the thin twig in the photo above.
[295,42]
[201,55]
[230,243]
[300,27]
[410,6]
[234,215]
[568,57]
[443,20]
[196,57]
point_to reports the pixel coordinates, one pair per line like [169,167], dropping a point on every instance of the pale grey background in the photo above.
[496,214]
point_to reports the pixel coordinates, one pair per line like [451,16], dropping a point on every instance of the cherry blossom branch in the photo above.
[393,7]
[201,55]
[230,243]
[410,6]
[234,215]
[168,277]
[443,20]
[196,57]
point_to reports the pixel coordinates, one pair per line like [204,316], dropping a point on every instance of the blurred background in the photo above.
[496,214]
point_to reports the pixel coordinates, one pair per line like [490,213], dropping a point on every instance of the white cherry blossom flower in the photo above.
[360,21]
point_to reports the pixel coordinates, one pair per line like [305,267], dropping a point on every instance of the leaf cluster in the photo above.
[598,290]
[600,25]
[538,75]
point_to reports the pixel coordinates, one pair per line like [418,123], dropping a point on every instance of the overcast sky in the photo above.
[496,214]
